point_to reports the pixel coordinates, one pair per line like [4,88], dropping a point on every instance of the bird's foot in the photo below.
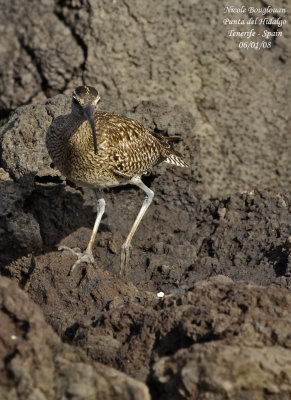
[86,257]
[124,260]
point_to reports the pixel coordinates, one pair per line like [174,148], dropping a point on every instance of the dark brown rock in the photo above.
[175,52]
[219,340]
[39,52]
[208,338]
[241,345]
[35,364]
[44,207]
[185,237]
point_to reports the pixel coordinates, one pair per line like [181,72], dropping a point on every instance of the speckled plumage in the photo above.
[99,149]
[126,150]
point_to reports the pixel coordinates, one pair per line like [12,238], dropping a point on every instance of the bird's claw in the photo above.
[124,259]
[86,257]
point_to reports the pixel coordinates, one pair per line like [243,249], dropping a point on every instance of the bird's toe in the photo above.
[124,260]
[86,257]
[76,253]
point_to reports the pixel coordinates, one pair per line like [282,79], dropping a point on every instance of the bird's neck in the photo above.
[73,123]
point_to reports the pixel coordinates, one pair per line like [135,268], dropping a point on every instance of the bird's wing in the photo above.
[135,150]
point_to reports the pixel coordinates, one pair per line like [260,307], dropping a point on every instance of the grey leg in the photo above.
[100,212]
[149,195]
[87,256]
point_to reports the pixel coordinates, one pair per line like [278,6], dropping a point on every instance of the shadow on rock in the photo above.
[38,220]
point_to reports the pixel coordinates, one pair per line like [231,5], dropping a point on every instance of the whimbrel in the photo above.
[98,149]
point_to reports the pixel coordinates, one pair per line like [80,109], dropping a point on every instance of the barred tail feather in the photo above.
[176,160]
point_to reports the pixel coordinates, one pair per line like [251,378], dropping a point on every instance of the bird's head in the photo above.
[84,103]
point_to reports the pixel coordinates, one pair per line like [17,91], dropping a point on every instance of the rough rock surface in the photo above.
[185,237]
[237,232]
[216,239]
[178,52]
[32,193]
[233,339]
[35,364]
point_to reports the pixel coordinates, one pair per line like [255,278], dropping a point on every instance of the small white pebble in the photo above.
[161,294]
[13,337]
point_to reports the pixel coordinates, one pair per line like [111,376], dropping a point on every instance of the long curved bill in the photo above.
[89,114]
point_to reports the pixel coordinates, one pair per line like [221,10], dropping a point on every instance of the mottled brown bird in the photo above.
[97,149]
